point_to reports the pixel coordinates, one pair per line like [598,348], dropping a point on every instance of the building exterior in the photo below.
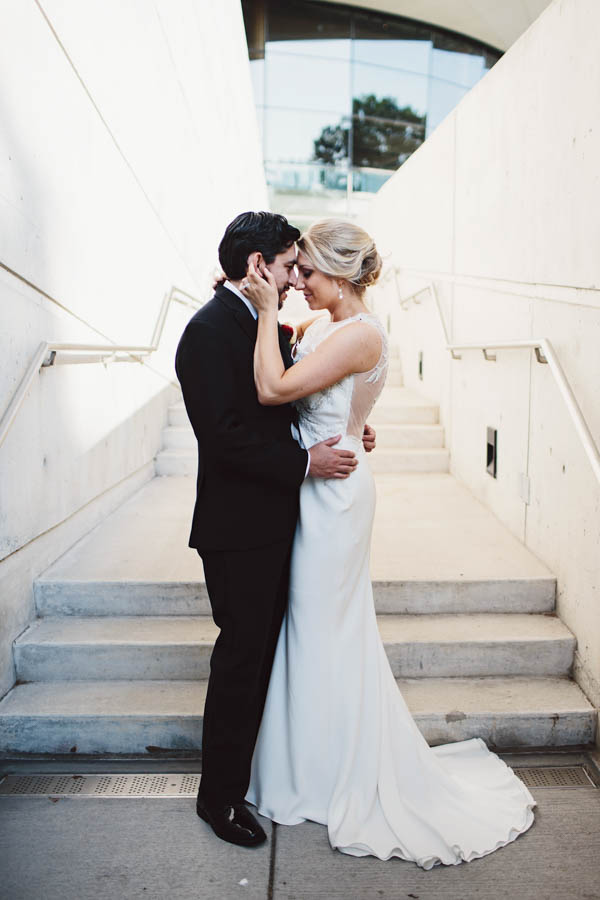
[345,95]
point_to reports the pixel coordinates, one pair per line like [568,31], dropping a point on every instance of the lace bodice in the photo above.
[342,408]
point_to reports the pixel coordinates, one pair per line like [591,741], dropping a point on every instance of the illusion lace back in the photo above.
[337,743]
[344,407]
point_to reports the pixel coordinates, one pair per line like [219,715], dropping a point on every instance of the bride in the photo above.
[337,744]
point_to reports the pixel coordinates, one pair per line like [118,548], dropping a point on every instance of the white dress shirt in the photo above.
[295,433]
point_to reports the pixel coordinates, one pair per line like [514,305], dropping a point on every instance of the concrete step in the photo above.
[409,437]
[177,462]
[401,405]
[144,716]
[394,374]
[396,460]
[184,461]
[435,549]
[181,598]
[170,647]
[179,437]
[389,437]
[177,415]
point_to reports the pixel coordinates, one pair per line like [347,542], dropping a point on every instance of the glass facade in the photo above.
[345,95]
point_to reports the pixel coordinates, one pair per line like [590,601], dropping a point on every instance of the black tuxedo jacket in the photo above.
[249,466]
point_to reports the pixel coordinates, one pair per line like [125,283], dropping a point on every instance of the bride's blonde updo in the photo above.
[342,249]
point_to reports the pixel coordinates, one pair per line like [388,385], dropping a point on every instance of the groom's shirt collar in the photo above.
[231,287]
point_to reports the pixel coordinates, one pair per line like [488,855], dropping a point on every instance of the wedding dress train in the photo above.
[337,743]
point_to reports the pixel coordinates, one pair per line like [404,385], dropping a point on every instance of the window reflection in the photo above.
[459,68]
[443,97]
[289,135]
[257,74]
[306,82]
[406,89]
[345,95]
[407,56]
[384,134]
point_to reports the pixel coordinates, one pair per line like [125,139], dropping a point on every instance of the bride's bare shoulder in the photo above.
[356,341]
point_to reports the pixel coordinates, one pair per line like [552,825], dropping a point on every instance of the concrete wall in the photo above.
[128,142]
[500,208]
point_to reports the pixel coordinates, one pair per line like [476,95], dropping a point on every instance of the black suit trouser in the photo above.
[248,591]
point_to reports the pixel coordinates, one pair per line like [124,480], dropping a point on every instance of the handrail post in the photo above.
[45,356]
[15,404]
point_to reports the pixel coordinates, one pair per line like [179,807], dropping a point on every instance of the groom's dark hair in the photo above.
[269,233]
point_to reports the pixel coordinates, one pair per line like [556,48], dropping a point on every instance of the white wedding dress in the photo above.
[337,743]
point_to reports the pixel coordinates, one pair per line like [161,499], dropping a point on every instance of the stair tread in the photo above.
[413,451]
[403,396]
[191,452]
[452,628]
[186,452]
[387,426]
[510,696]
[391,395]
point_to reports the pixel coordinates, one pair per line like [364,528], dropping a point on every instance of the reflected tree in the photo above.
[383,135]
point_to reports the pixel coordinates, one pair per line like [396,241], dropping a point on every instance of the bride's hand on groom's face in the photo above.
[261,289]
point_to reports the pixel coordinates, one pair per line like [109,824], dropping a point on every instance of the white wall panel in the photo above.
[525,229]
[128,142]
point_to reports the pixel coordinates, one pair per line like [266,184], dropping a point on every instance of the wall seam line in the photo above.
[80,509]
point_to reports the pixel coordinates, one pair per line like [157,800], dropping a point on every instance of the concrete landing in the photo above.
[435,549]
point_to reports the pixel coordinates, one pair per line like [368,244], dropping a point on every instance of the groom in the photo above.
[250,468]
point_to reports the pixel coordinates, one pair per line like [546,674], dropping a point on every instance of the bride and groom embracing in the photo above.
[303,717]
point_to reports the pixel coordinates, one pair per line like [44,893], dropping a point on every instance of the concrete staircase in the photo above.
[117,660]
[410,438]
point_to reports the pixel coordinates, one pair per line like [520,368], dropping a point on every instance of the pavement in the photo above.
[116,849]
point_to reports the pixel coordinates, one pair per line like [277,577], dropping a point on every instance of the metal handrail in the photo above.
[544,352]
[46,354]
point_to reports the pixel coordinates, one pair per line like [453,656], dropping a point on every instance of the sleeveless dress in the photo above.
[337,744]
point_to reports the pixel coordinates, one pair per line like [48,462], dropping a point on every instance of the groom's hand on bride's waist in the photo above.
[327,462]
[369,438]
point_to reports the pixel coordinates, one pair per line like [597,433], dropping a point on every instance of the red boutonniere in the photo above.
[290,333]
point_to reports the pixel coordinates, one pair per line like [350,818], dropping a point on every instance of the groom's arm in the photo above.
[206,371]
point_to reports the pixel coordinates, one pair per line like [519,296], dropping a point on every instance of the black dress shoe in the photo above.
[232,822]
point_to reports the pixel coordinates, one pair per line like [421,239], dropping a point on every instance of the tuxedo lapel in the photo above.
[241,313]
[248,323]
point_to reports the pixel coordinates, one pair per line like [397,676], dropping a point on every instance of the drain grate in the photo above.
[101,785]
[554,776]
[159,786]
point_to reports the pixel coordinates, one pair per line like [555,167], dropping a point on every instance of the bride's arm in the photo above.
[354,348]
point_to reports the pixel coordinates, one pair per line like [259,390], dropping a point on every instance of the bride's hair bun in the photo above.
[341,249]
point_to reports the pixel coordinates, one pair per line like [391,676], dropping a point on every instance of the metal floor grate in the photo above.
[101,785]
[159,786]
[554,776]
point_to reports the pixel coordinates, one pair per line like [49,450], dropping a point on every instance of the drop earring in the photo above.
[340,293]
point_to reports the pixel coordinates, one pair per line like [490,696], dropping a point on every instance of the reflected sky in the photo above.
[318,58]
